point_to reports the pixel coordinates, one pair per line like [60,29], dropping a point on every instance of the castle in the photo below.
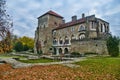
[85,35]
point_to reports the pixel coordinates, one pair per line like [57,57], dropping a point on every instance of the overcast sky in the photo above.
[25,12]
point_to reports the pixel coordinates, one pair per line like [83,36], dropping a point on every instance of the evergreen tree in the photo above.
[113,46]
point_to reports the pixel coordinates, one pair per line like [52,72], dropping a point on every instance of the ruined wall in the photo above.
[94,46]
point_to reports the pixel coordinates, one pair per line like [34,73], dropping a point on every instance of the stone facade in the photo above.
[91,46]
[86,34]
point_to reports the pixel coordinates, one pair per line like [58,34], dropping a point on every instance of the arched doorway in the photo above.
[55,51]
[60,50]
[66,51]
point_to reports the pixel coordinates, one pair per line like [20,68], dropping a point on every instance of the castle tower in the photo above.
[43,33]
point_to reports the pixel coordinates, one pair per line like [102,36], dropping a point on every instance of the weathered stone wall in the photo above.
[44,31]
[94,46]
[69,32]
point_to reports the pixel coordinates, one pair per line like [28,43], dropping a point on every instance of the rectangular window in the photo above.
[92,25]
[72,29]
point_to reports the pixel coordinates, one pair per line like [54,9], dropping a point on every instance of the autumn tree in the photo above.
[25,43]
[5,28]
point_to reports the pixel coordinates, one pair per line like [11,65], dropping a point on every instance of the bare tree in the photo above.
[5,27]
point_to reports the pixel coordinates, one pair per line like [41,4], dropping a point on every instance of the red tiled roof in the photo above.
[70,23]
[52,13]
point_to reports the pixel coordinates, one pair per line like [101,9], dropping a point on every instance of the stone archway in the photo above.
[60,50]
[66,51]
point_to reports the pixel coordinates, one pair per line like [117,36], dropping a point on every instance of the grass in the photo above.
[11,56]
[101,66]
[42,60]
[95,68]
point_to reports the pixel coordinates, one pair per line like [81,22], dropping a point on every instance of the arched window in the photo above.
[54,41]
[66,40]
[60,41]
[107,29]
[72,37]
[81,36]
[44,26]
[54,32]
[81,28]
[66,51]
[101,28]
[60,50]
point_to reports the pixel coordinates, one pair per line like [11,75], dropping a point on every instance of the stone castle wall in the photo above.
[94,46]
[44,31]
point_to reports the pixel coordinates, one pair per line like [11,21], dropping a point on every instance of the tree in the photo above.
[5,28]
[113,46]
[18,46]
[27,41]
[25,48]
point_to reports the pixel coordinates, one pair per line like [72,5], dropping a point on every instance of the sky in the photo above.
[25,12]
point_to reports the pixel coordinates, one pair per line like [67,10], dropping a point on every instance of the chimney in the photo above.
[83,15]
[74,18]
[63,21]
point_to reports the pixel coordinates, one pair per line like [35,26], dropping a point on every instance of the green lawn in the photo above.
[10,56]
[101,66]
[38,60]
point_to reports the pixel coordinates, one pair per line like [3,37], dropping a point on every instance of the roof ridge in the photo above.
[52,13]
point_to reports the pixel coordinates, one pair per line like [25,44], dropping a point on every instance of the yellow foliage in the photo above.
[27,41]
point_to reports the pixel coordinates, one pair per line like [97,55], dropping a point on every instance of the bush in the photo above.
[76,54]
[25,48]
[39,52]
[113,46]
[18,46]
[90,53]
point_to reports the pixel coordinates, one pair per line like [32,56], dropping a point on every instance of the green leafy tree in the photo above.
[18,46]
[27,41]
[113,46]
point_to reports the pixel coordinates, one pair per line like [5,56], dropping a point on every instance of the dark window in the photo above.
[44,26]
[61,41]
[101,28]
[92,25]
[54,41]
[67,41]
[55,23]
[50,49]
[45,42]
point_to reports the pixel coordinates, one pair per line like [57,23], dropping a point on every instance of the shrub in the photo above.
[90,53]
[113,46]
[76,54]
[39,52]
[25,48]
[18,46]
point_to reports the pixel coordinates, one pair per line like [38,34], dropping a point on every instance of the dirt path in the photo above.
[17,64]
